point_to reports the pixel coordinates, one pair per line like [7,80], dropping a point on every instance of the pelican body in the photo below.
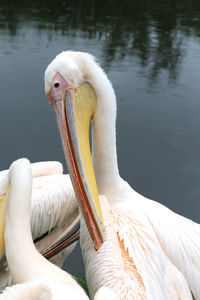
[135,246]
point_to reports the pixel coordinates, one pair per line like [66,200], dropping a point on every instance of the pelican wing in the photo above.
[31,290]
[53,201]
[140,241]
[180,239]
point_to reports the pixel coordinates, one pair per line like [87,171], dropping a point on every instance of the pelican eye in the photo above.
[56,84]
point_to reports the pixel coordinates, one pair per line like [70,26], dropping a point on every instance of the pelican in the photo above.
[134,245]
[53,207]
[35,277]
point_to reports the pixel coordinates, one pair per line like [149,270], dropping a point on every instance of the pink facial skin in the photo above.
[58,88]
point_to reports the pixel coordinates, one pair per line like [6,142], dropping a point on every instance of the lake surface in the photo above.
[151,53]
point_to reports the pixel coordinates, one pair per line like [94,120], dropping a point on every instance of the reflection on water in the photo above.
[153,31]
[150,50]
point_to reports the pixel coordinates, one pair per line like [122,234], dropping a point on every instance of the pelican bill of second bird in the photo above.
[156,251]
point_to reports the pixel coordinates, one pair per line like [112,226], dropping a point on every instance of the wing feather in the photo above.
[179,237]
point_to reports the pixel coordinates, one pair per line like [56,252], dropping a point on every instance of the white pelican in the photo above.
[53,206]
[35,276]
[152,253]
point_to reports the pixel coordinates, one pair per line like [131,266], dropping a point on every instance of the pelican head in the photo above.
[75,85]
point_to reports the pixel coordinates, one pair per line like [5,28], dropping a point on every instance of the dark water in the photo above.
[151,52]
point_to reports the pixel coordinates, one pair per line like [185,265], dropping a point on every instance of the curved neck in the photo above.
[21,253]
[104,152]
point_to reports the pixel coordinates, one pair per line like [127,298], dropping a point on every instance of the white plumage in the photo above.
[149,252]
[52,204]
[36,277]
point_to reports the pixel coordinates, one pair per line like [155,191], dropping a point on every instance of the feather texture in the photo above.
[53,203]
